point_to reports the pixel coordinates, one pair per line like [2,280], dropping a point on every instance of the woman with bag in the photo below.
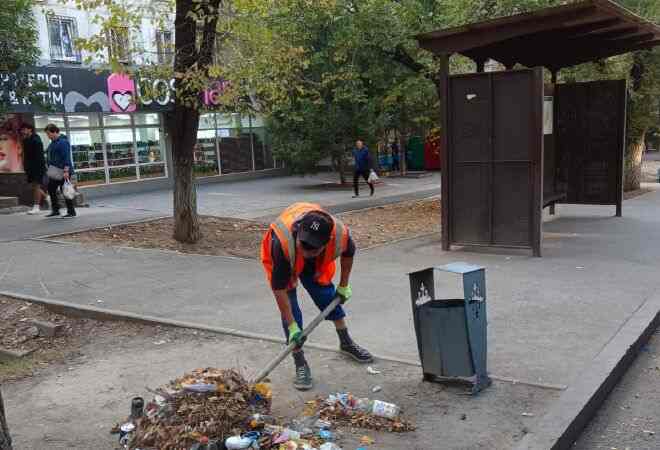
[60,170]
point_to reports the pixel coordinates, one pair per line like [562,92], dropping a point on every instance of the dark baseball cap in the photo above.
[314,229]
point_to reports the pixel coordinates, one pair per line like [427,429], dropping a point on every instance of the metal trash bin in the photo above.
[451,333]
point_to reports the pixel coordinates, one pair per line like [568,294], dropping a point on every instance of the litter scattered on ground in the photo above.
[376,389]
[372,371]
[366,440]
[210,409]
[345,409]
[526,414]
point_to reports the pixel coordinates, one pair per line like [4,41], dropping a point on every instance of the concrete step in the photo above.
[8,202]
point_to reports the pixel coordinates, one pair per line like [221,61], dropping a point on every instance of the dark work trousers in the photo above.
[356,176]
[53,186]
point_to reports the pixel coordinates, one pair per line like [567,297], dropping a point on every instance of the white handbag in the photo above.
[372,176]
[68,191]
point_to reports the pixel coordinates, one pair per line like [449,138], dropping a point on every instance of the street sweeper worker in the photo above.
[303,245]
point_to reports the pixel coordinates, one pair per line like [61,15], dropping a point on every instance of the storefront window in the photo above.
[117,120]
[86,148]
[228,120]
[119,174]
[91,177]
[110,148]
[119,147]
[146,119]
[152,170]
[84,120]
[40,121]
[206,156]
[207,121]
[148,145]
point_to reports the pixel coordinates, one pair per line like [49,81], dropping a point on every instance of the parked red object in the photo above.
[432,151]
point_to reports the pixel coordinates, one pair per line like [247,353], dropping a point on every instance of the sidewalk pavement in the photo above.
[14,227]
[265,197]
[250,199]
[548,316]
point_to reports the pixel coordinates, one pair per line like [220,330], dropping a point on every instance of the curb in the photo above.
[372,202]
[92,312]
[563,424]
[368,203]
[46,237]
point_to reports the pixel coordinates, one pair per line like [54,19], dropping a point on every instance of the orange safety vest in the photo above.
[283,228]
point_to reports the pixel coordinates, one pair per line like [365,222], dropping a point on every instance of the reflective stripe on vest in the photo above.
[291,243]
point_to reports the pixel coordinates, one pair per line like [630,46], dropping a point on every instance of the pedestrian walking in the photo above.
[303,244]
[34,164]
[362,167]
[60,169]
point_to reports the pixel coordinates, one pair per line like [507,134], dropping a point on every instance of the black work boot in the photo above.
[303,380]
[350,348]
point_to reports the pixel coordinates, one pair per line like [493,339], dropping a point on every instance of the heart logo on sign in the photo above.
[122,99]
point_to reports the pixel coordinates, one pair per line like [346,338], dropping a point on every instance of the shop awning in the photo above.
[554,37]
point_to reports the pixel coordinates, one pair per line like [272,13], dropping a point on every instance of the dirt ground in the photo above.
[73,402]
[237,237]
[18,334]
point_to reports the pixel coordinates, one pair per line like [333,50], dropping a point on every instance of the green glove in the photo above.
[295,335]
[345,292]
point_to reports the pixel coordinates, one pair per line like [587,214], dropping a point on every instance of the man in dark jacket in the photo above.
[362,167]
[34,164]
[59,157]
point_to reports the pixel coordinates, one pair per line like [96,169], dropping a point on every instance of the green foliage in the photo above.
[18,46]
[326,74]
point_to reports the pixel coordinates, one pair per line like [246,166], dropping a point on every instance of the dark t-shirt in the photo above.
[282,267]
[34,161]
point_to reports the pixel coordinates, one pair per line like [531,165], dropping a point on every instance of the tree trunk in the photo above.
[183,124]
[5,439]
[633,165]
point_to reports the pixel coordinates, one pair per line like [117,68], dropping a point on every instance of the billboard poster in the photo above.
[11,150]
[71,90]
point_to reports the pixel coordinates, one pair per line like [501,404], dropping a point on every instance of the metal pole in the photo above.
[289,348]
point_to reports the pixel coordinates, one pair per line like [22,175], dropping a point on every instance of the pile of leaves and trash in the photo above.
[217,409]
[343,409]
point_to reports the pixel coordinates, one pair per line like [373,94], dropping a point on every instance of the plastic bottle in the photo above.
[238,442]
[330,446]
[326,435]
[378,408]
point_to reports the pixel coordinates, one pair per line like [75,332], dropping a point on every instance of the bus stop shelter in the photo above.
[516,144]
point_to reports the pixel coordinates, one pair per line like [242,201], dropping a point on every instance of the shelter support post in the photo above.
[443,86]
[481,64]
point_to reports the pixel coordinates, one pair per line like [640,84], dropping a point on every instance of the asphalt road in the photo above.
[630,417]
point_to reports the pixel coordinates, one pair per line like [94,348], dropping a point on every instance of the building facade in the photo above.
[117,134]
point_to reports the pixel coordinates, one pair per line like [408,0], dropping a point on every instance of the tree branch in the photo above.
[402,56]
[207,47]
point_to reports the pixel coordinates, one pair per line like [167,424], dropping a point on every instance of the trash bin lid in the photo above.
[459,267]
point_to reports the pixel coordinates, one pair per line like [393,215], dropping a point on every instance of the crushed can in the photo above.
[125,432]
[137,407]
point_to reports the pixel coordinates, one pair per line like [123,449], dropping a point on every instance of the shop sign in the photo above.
[69,90]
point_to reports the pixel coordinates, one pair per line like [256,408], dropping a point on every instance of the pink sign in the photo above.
[211,96]
[121,90]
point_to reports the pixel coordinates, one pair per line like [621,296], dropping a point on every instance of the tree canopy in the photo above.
[18,46]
